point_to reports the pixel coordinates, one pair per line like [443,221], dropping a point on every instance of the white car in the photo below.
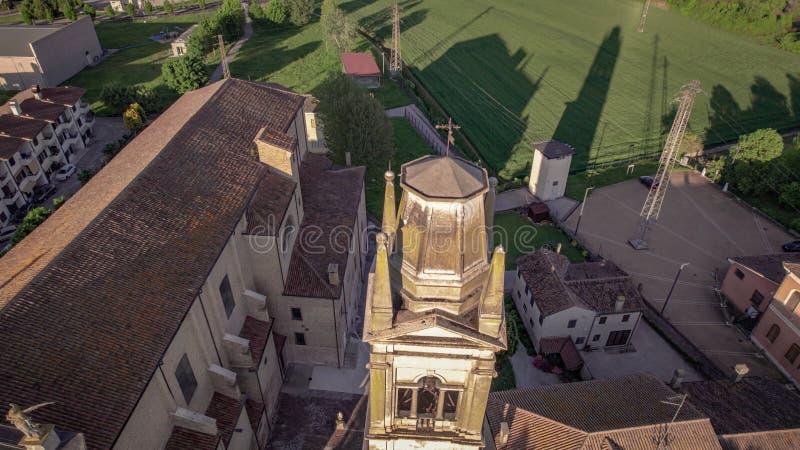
[65,172]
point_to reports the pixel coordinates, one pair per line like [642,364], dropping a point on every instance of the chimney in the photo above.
[502,437]
[347,159]
[15,109]
[741,370]
[619,303]
[677,378]
[333,274]
[37,91]
[558,248]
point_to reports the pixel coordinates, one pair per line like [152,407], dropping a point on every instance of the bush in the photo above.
[90,11]
[33,219]
[130,9]
[184,74]
[117,97]
[201,4]
[68,10]
[300,11]
[168,8]
[230,19]
[109,11]
[276,11]
[134,118]
[58,201]
[203,38]
[85,175]
[255,11]
[148,7]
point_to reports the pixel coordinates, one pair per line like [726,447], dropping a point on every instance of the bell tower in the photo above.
[434,310]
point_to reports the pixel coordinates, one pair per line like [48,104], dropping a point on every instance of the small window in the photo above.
[773,333]
[300,338]
[603,320]
[541,319]
[532,301]
[297,314]
[626,317]
[530,321]
[227,296]
[757,298]
[313,122]
[572,323]
[186,380]
[793,301]
[792,353]
[527,290]
[555,183]
[404,396]
[739,274]
[265,360]
[579,341]
[525,307]
[595,338]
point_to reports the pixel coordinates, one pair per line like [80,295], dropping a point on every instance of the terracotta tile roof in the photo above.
[765,440]
[184,438]
[557,285]
[331,198]
[554,149]
[793,268]
[753,404]
[64,95]
[769,266]
[625,412]
[254,411]
[257,332]
[564,346]
[21,127]
[361,64]
[42,110]
[9,146]
[268,208]
[99,290]
[279,139]
[226,411]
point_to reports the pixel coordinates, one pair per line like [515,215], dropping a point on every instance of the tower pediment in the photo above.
[436,328]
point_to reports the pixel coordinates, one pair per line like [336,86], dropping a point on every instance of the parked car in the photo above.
[647,180]
[6,233]
[65,172]
[793,246]
[43,193]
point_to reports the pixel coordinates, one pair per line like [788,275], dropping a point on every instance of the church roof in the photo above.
[444,177]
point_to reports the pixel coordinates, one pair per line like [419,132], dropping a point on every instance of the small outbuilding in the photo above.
[362,68]
[538,212]
[550,169]
[179,44]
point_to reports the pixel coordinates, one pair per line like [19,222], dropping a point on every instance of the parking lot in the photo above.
[699,224]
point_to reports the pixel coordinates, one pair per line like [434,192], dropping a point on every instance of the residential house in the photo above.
[40,129]
[778,331]
[153,298]
[362,68]
[751,281]
[748,413]
[179,44]
[631,412]
[46,54]
[594,303]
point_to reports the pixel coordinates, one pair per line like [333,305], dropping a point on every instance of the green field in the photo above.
[513,72]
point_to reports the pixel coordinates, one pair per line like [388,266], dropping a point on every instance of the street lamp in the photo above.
[580,214]
[677,275]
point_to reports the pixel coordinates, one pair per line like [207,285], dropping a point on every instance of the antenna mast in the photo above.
[658,190]
[226,72]
[396,64]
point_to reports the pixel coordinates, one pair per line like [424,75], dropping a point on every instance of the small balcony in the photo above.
[83,107]
[27,184]
[11,199]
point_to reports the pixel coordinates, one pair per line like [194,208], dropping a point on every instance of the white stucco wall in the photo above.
[548,178]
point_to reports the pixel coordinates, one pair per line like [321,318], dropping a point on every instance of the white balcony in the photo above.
[83,108]
[11,200]
[28,183]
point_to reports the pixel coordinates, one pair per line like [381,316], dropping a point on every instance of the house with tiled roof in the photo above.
[595,304]
[149,307]
[631,412]
[751,281]
[40,130]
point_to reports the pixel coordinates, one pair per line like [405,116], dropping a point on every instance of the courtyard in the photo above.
[700,225]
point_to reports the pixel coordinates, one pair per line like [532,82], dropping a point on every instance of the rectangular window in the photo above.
[450,404]
[186,380]
[265,360]
[297,314]
[792,353]
[626,317]
[579,341]
[572,323]
[773,333]
[404,401]
[603,320]
[757,298]
[300,338]
[541,319]
[595,338]
[227,296]
[530,321]
[525,307]
[527,290]
[739,274]
[555,183]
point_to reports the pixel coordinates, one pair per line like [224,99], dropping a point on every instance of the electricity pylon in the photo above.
[658,190]
[396,63]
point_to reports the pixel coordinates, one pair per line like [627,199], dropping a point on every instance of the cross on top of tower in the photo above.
[449,127]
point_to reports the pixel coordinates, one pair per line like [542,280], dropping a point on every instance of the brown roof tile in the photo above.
[257,332]
[279,139]
[793,268]
[362,64]
[63,95]
[226,411]
[42,110]
[765,440]
[184,438]
[266,211]
[564,346]
[9,146]
[331,198]
[769,266]
[542,271]
[254,411]
[21,127]
[99,289]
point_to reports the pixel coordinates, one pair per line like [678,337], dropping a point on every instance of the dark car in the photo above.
[647,180]
[793,246]
[44,193]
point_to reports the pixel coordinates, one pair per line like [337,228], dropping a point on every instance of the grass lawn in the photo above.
[390,94]
[505,374]
[408,146]
[519,236]
[10,18]
[513,72]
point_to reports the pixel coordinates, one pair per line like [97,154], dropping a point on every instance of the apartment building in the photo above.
[40,130]
[594,303]
[149,307]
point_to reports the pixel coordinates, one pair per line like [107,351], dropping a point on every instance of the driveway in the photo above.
[699,224]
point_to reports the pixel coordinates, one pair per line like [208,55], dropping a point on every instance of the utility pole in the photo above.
[643,20]
[672,288]
[658,190]
[580,215]
[449,127]
[662,440]
[396,63]
[226,72]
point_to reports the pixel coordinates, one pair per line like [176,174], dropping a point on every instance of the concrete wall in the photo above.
[786,320]
[322,338]
[18,72]
[63,53]
[740,291]
[548,179]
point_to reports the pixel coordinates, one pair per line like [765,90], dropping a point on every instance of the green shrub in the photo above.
[109,11]
[130,9]
[90,11]
[300,11]
[276,11]
[58,201]
[33,219]
[148,7]
[85,175]
[255,11]
[184,74]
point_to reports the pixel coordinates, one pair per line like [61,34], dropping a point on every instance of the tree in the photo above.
[130,8]
[255,11]
[134,118]
[354,122]
[109,11]
[90,11]
[185,73]
[201,4]
[337,27]
[752,167]
[300,11]
[230,18]
[68,9]
[168,8]
[790,195]
[27,12]
[33,219]
[203,37]
[276,11]
[148,7]
[117,97]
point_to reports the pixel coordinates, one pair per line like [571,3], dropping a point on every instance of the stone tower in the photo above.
[434,310]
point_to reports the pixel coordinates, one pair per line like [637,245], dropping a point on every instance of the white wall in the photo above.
[548,178]
[613,323]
